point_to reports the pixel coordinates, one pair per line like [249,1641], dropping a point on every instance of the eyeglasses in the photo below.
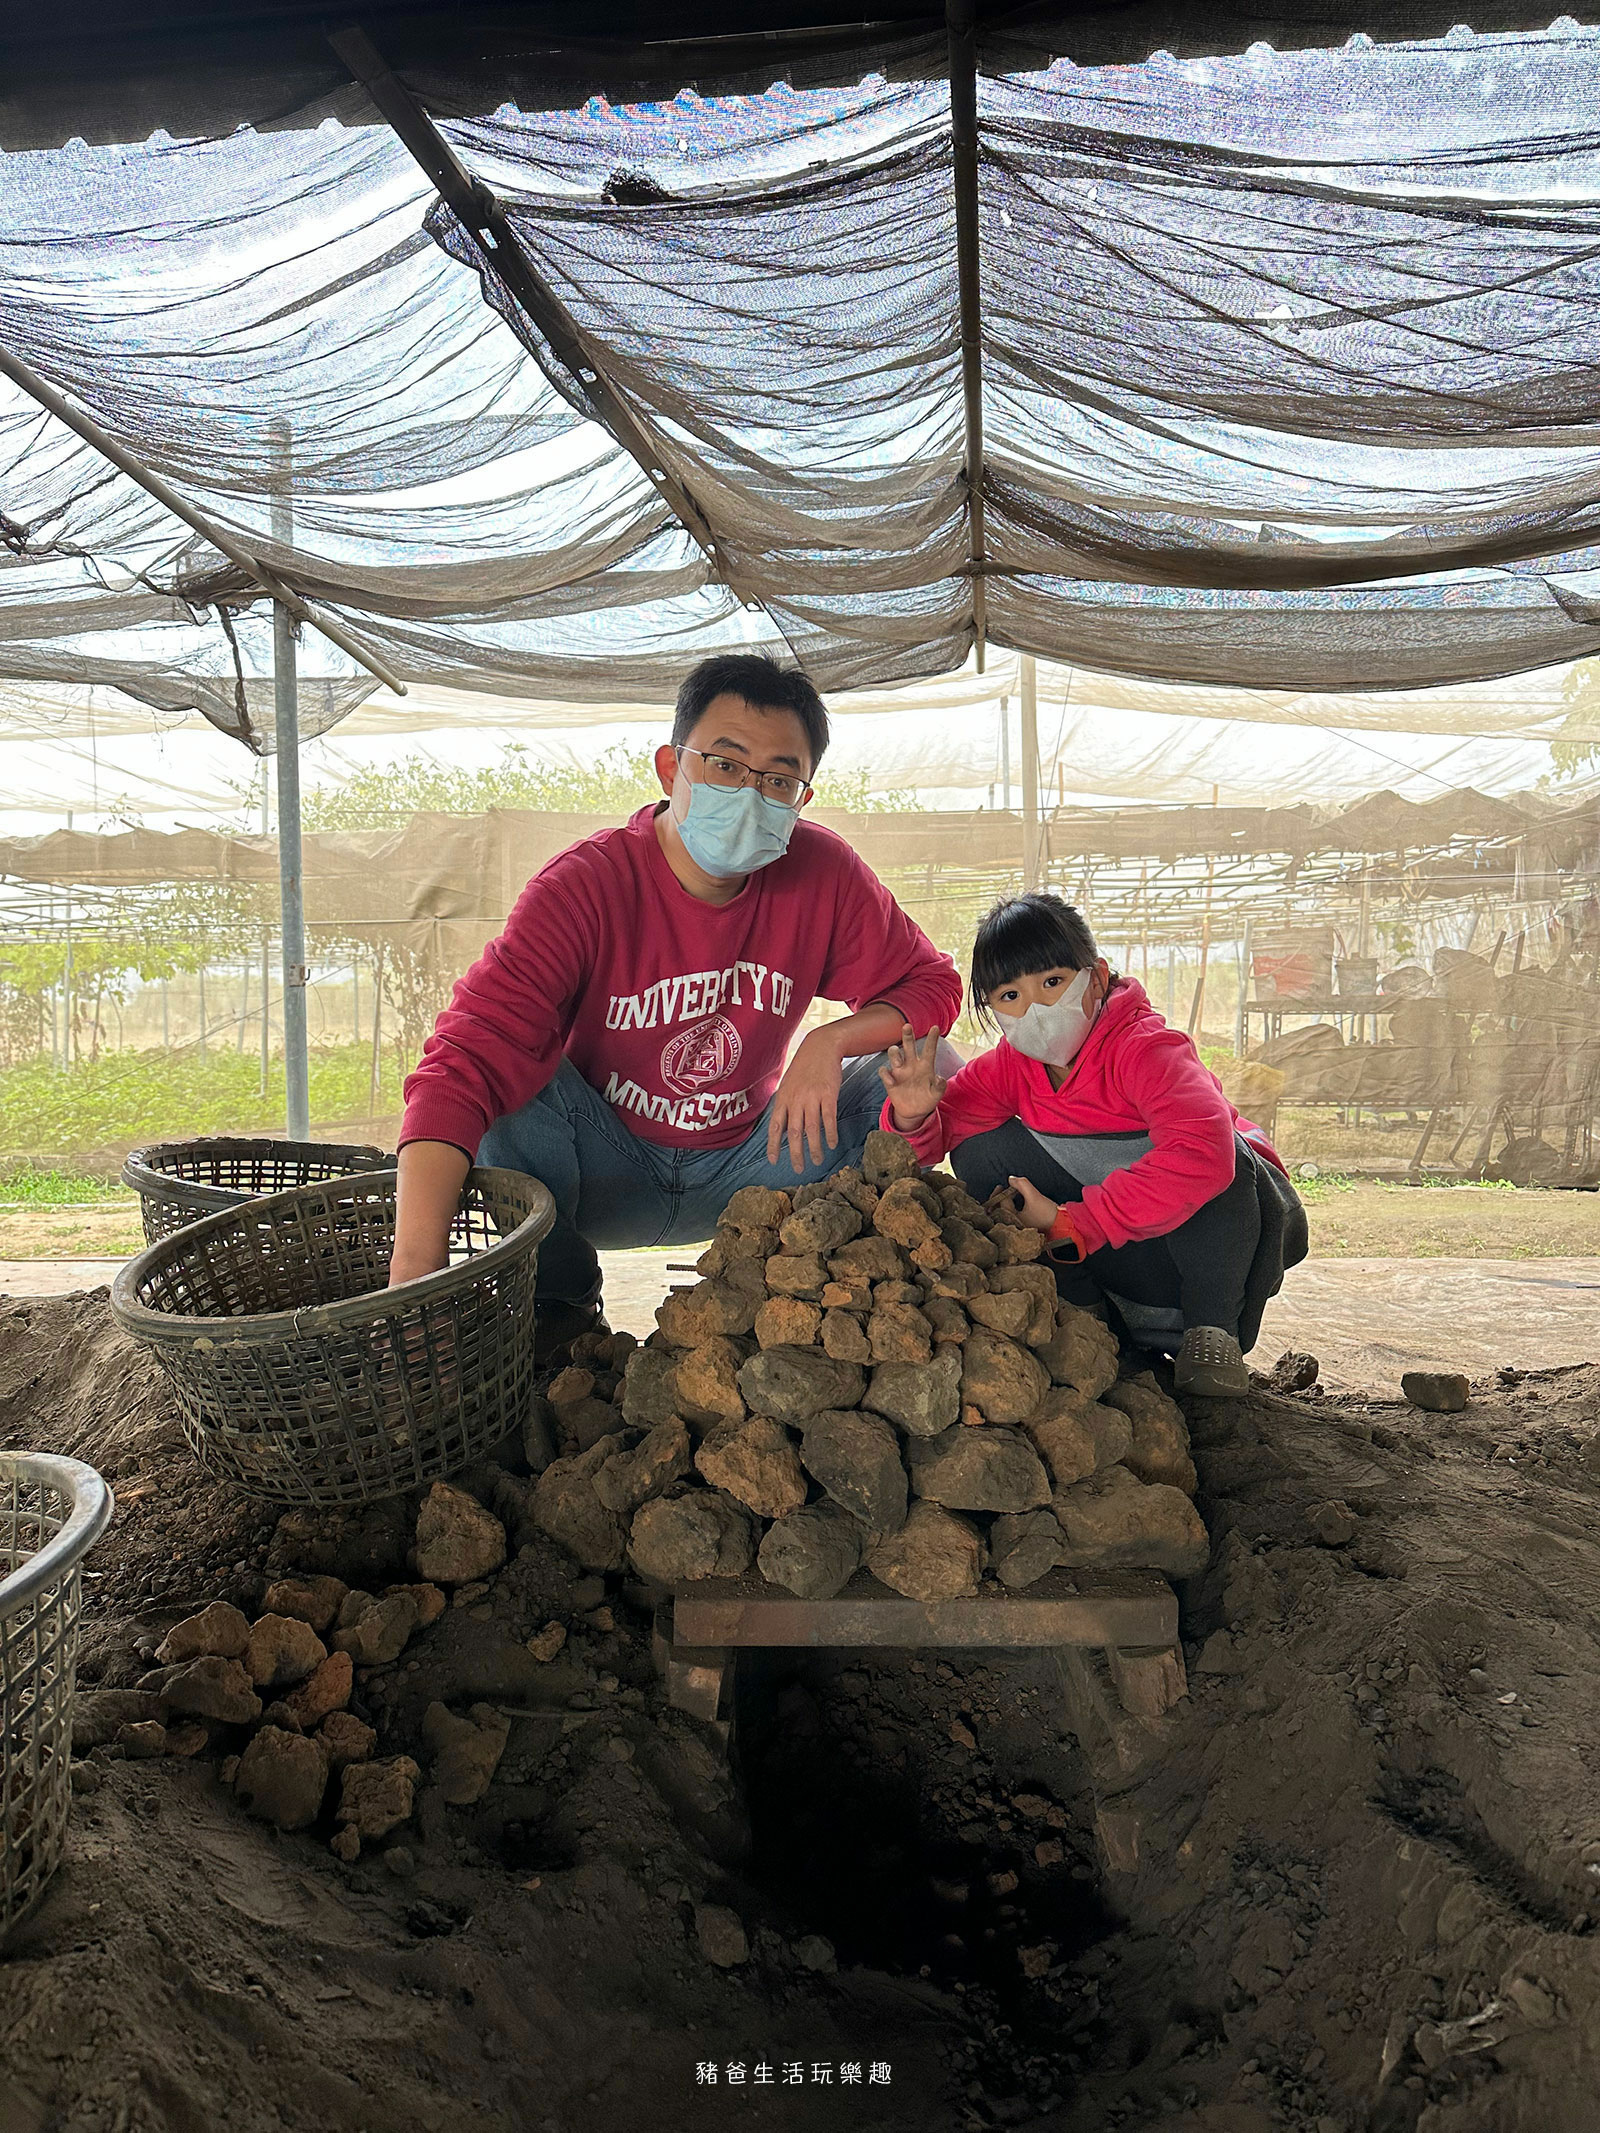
[728,774]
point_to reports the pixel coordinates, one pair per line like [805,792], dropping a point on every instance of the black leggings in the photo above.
[1200,1268]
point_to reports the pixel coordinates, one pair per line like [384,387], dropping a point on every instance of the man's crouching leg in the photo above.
[606,1184]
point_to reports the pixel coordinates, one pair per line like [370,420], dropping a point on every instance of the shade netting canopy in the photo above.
[1288,376]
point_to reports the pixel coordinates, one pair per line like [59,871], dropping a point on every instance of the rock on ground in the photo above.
[1439,1392]
[1334,1523]
[793,1384]
[1160,1447]
[650,1387]
[282,1777]
[856,1458]
[1112,1433]
[312,1600]
[1060,1429]
[936,1555]
[218,1631]
[566,1507]
[210,1687]
[381,1631]
[1023,1546]
[466,1751]
[375,1798]
[346,1739]
[458,1541]
[821,1227]
[888,1156]
[707,1382]
[1082,1352]
[923,1398]
[701,1534]
[629,1478]
[327,1688]
[98,1715]
[813,1552]
[282,1651]
[988,1469]
[756,1207]
[1116,1522]
[1001,1379]
[755,1461]
[721,1935]
[690,1317]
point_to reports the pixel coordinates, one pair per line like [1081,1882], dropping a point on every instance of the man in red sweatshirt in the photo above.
[624,1038]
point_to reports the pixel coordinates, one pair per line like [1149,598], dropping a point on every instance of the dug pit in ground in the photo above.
[1347,1883]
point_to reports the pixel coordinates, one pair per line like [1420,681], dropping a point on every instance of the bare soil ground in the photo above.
[1349,1883]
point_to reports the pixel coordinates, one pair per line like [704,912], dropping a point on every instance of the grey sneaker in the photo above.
[1211,1363]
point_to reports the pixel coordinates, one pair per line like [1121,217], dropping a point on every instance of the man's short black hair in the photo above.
[1023,935]
[763,685]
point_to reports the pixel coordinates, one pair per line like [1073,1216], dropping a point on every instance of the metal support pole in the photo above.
[1030,772]
[266,1006]
[292,922]
[286,712]
[961,28]
[1005,751]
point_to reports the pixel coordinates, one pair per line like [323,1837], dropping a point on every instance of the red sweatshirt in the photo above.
[1133,1074]
[679,1012]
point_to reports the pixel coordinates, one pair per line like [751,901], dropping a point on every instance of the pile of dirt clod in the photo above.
[1346,1884]
[875,1371]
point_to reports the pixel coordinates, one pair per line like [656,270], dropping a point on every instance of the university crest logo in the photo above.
[705,1052]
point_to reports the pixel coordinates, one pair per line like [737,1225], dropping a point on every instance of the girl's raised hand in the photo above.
[915,1085]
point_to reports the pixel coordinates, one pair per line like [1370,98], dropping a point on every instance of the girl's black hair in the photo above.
[1025,934]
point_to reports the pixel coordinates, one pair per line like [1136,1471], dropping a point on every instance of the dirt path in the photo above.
[1357,1871]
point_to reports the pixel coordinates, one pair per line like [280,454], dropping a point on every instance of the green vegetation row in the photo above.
[162,1096]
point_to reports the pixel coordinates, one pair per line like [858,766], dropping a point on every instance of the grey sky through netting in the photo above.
[1290,370]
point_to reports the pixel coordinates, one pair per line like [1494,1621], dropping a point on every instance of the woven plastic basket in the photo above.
[180,1181]
[52,1511]
[301,1377]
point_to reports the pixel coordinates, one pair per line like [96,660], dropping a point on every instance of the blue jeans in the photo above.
[614,1191]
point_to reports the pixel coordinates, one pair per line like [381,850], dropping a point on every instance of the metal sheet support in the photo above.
[82,424]
[475,206]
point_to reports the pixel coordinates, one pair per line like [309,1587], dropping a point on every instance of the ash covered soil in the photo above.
[1348,1883]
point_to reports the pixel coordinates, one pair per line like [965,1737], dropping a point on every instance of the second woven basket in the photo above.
[301,1377]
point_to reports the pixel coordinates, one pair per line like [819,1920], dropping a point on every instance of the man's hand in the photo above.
[805,1106]
[432,1174]
[915,1085]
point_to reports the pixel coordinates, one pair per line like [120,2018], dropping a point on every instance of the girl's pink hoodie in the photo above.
[1133,1075]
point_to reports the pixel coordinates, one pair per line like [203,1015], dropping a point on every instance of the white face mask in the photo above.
[1054,1033]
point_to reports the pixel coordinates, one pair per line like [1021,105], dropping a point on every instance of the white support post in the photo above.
[1031,840]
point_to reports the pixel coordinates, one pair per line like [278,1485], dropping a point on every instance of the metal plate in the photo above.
[1129,1607]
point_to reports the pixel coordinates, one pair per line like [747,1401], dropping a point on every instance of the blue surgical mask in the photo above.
[734,830]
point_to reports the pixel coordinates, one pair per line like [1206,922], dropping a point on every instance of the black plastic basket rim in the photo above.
[253,1329]
[142,1169]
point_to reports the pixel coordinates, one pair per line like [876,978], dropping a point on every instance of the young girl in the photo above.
[1155,1196]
